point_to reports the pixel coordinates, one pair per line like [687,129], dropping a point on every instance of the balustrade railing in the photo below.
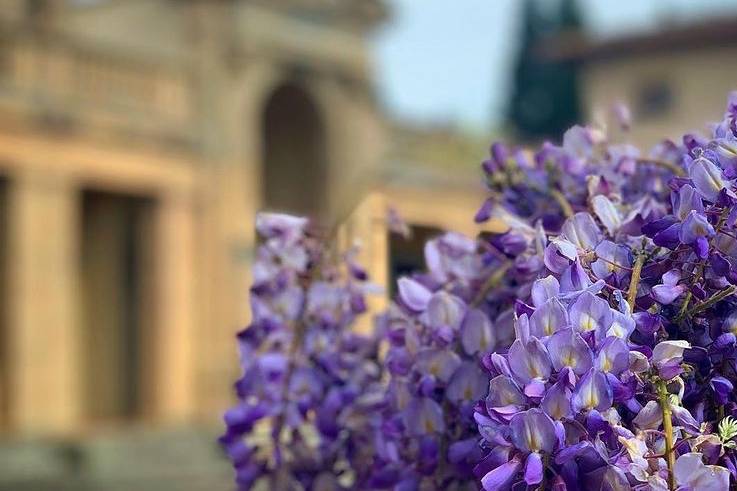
[89,84]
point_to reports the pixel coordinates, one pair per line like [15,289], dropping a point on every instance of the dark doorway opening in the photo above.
[115,249]
[407,256]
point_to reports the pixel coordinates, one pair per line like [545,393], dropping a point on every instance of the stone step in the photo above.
[135,460]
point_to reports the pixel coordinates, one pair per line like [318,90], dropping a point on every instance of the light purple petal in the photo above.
[650,416]
[568,349]
[533,431]
[529,361]
[477,335]
[667,294]
[683,418]
[522,328]
[607,213]
[590,313]
[548,318]
[544,289]
[575,279]
[559,254]
[557,401]
[690,472]
[469,383]
[609,256]
[695,226]
[621,326]
[685,200]
[424,416]
[592,392]
[707,178]
[535,389]
[445,310]
[580,141]
[503,392]
[613,356]
[500,478]
[669,351]
[413,294]
[440,363]
[582,231]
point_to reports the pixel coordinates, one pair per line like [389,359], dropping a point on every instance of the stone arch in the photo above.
[294,152]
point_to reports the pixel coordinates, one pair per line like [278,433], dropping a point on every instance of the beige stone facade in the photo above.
[137,140]
[675,80]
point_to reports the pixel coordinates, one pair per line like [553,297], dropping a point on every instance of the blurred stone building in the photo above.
[674,80]
[138,138]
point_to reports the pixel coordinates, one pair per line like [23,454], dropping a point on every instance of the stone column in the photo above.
[171,371]
[43,213]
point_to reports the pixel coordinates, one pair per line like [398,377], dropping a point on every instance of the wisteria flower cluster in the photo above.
[437,335]
[590,345]
[622,371]
[309,384]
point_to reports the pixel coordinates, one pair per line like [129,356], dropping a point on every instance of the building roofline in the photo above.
[575,46]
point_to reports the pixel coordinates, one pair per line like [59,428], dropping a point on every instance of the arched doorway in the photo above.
[294,153]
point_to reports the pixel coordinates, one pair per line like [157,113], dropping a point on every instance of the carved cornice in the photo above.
[363,14]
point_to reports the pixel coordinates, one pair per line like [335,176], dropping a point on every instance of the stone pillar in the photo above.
[226,235]
[366,228]
[43,213]
[172,356]
[379,260]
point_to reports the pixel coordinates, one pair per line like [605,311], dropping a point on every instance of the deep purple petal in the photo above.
[534,469]
[722,388]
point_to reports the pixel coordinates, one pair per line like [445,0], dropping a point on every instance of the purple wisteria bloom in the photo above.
[533,432]
[627,339]
[309,390]
[707,178]
[439,330]
[670,289]
[590,345]
[696,231]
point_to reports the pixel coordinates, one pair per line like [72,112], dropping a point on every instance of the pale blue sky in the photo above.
[448,61]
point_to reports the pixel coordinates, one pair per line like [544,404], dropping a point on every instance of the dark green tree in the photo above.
[545,99]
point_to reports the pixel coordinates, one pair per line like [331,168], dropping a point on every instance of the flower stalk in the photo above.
[670,457]
[564,204]
[635,281]
[713,300]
